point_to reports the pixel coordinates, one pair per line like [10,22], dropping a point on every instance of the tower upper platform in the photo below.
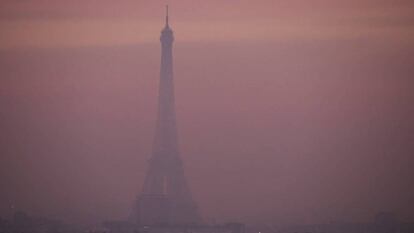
[167,36]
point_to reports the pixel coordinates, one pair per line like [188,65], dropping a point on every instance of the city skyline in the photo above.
[288,111]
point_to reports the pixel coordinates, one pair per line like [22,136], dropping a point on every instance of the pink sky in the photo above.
[288,111]
[106,23]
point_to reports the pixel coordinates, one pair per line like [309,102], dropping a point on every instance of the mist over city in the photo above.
[268,116]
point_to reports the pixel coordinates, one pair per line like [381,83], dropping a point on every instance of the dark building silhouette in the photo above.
[383,222]
[166,197]
[22,222]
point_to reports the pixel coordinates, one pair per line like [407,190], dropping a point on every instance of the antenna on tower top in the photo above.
[166,16]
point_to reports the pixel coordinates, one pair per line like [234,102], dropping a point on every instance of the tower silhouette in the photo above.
[166,197]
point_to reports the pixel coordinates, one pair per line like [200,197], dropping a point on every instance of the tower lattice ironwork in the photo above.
[166,197]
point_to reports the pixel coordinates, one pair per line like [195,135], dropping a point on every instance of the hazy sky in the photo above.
[288,111]
[59,23]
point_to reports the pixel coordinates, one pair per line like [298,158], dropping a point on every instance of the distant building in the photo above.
[165,204]
[23,223]
[166,197]
[383,223]
[127,227]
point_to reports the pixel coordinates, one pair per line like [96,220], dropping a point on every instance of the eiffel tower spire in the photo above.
[166,16]
[166,197]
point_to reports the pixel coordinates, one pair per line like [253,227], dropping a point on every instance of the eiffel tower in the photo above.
[166,197]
